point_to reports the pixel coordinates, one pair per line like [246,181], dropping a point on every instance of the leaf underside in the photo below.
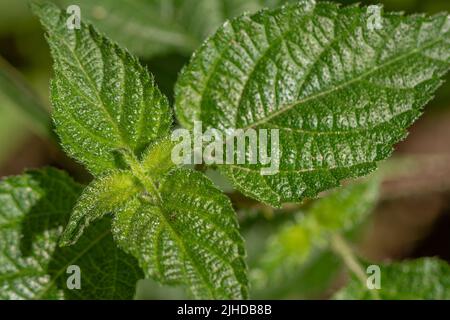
[340,94]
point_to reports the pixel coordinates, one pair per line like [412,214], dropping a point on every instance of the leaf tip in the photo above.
[69,236]
[47,12]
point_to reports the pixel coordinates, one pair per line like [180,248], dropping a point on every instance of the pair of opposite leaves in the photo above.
[340,94]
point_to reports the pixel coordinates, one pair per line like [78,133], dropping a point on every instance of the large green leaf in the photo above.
[155,27]
[426,278]
[296,244]
[33,209]
[192,239]
[340,94]
[103,99]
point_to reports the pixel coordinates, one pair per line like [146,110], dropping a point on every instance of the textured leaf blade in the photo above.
[103,196]
[340,94]
[157,159]
[298,243]
[103,98]
[33,209]
[426,278]
[107,272]
[192,239]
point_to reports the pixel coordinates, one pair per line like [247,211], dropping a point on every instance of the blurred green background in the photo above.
[411,220]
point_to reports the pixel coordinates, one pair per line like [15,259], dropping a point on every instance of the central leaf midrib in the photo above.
[182,246]
[94,87]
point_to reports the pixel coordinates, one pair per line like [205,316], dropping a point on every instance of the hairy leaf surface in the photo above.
[103,99]
[184,232]
[191,239]
[33,209]
[340,93]
[426,278]
[103,196]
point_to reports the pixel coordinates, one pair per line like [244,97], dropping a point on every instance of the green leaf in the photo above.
[191,238]
[426,278]
[103,196]
[155,27]
[340,95]
[157,160]
[33,209]
[296,244]
[103,98]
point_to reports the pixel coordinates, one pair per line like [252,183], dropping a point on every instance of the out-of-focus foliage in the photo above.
[16,91]
[157,27]
[425,278]
[306,241]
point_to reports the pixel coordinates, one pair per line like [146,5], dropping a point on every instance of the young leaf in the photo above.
[103,98]
[103,196]
[156,161]
[426,278]
[33,209]
[297,243]
[191,239]
[340,93]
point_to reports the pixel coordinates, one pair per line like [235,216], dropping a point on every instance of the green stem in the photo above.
[139,173]
[343,249]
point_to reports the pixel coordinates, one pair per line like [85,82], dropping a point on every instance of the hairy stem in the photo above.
[139,173]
